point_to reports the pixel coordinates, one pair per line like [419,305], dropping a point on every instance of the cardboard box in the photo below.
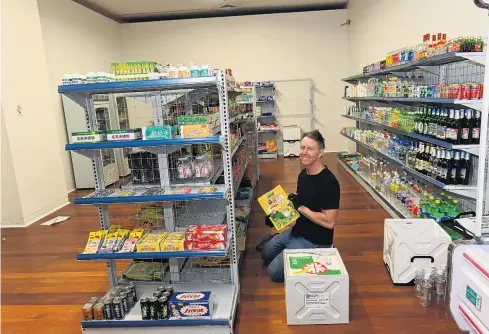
[191,305]
[88,137]
[173,241]
[206,233]
[151,242]
[195,130]
[316,287]
[205,245]
[131,134]
[157,132]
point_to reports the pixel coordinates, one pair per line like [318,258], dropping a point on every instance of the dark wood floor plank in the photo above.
[44,286]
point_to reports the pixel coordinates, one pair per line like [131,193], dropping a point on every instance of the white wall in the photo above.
[380,26]
[264,47]
[77,40]
[32,134]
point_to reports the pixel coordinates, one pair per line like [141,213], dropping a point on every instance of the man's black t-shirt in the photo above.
[316,192]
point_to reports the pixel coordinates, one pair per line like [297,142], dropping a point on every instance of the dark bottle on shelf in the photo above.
[432,123]
[426,159]
[426,121]
[476,128]
[419,158]
[465,137]
[455,169]
[450,122]
[436,169]
[443,124]
[457,128]
[443,167]
[438,120]
[465,169]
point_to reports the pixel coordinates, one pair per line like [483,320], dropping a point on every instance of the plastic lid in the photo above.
[455,201]
[437,201]
[432,197]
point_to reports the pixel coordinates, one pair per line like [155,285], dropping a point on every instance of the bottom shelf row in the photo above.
[150,305]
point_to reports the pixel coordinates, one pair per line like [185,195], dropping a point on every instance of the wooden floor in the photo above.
[43,286]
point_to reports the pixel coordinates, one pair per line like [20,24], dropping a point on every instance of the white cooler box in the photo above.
[410,244]
[469,288]
[291,148]
[291,132]
[316,287]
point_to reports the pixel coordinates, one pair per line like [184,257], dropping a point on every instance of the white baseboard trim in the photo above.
[40,214]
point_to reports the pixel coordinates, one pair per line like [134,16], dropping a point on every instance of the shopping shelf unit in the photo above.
[444,69]
[177,214]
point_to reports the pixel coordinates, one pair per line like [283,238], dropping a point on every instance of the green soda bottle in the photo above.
[423,205]
[456,209]
[435,212]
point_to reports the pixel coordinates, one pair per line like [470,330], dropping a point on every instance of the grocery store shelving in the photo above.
[225,299]
[379,197]
[472,149]
[186,209]
[474,104]
[443,59]
[467,191]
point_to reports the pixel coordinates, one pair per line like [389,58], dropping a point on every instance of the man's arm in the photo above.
[325,218]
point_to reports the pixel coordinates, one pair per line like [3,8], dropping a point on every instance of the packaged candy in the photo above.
[174,241]
[184,305]
[95,240]
[205,245]
[206,233]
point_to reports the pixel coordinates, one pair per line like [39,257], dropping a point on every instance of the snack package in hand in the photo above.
[281,211]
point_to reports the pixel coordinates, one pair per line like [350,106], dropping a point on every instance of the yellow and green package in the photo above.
[276,204]
[95,240]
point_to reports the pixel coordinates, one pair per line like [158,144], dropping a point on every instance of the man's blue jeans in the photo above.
[273,252]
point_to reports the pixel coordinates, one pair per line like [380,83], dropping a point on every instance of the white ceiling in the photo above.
[134,10]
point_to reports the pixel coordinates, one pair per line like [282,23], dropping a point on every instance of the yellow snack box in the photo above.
[151,242]
[276,204]
[195,130]
[174,241]
[95,240]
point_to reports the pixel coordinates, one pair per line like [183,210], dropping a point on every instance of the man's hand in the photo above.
[295,200]
[268,222]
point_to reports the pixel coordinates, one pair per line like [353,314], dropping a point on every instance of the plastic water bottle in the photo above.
[426,289]
[440,285]
[417,281]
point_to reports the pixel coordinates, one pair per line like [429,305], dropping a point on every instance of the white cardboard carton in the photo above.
[316,287]
[410,244]
[291,132]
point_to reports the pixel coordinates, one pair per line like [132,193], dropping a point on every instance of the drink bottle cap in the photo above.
[431,197]
[455,201]
[437,201]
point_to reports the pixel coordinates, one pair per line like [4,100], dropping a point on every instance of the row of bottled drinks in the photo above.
[449,167]
[456,126]
[414,86]
[413,198]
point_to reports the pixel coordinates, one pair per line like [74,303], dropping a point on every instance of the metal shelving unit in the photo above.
[453,67]
[179,209]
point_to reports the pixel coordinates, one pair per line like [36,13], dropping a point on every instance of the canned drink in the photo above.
[166,294]
[108,308]
[457,92]
[118,311]
[87,311]
[161,289]
[132,286]
[163,312]
[169,288]
[430,92]
[145,308]
[98,311]
[93,300]
[124,302]
[474,91]
[153,308]
[465,90]
[157,294]
[481,90]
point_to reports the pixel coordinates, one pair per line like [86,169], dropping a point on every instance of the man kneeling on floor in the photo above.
[317,200]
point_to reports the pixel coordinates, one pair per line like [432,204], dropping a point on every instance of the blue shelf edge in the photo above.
[142,143]
[142,199]
[150,255]
[131,85]
[154,323]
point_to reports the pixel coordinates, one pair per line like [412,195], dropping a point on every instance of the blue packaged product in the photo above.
[191,305]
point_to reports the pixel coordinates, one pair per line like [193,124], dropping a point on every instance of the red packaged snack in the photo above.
[481,90]
[204,245]
[474,91]
[465,91]
[206,233]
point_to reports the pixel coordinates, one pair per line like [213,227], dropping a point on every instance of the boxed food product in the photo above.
[181,190]
[151,242]
[157,132]
[95,240]
[174,241]
[207,190]
[276,204]
[122,134]
[88,137]
[195,130]
[205,245]
[184,305]
[134,237]
[206,233]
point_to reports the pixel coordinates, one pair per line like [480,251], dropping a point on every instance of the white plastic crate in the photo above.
[410,244]
[291,132]
[469,288]
[291,148]
[316,287]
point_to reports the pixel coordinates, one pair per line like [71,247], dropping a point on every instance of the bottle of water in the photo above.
[426,289]
[440,285]
[417,281]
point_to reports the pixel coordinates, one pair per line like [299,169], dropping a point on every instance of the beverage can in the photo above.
[457,92]
[145,312]
[98,311]
[87,311]
[431,92]
[474,91]
[481,90]
[465,91]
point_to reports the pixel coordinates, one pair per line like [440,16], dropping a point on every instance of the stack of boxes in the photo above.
[292,135]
